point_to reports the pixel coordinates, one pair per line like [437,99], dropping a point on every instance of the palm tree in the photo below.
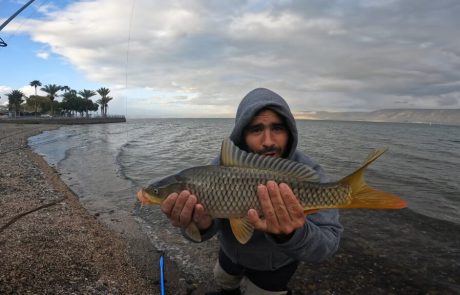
[52,90]
[103,92]
[15,100]
[106,105]
[33,101]
[86,94]
[65,88]
[35,84]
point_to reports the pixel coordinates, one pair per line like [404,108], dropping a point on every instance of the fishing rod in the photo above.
[3,43]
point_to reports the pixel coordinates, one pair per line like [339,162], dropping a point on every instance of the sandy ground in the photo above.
[60,249]
[63,249]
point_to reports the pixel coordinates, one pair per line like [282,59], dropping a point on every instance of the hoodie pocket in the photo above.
[255,259]
[279,259]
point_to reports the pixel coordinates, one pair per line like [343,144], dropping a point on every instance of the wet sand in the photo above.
[64,249]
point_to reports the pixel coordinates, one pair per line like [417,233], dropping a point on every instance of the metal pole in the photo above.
[14,15]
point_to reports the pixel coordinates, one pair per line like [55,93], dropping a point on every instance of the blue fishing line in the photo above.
[162,278]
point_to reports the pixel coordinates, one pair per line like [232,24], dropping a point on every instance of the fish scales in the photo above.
[231,191]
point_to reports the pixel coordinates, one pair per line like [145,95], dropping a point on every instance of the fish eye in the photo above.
[155,190]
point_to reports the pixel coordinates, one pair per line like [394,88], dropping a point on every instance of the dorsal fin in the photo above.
[232,156]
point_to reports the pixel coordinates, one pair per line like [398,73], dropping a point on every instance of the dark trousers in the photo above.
[271,280]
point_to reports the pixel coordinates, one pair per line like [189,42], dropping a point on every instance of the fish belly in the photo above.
[229,192]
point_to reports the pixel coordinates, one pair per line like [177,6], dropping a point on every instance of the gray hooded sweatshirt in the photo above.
[317,240]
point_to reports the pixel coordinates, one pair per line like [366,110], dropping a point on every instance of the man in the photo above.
[283,236]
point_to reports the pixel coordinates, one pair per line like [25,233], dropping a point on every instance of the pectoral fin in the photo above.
[193,232]
[310,211]
[242,229]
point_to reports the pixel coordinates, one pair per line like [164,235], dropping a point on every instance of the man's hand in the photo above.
[182,209]
[282,211]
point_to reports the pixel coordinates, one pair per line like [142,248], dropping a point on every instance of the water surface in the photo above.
[110,162]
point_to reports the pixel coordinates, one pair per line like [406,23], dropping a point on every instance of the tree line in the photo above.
[73,102]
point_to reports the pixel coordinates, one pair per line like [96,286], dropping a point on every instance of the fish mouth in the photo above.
[147,199]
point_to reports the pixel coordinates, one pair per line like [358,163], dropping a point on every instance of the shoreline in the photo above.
[62,248]
[63,120]
[65,248]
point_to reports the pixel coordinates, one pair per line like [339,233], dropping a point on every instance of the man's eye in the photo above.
[256,129]
[279,128]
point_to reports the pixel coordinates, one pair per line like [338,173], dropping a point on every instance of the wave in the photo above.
[122,157]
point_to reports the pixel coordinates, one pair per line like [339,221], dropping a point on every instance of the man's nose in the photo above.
[267,140]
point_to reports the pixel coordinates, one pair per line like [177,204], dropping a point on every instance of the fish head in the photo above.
[159,190]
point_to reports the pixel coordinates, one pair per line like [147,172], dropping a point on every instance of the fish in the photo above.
[229,190]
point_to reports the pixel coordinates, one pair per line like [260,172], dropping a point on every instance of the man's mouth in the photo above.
[270,152]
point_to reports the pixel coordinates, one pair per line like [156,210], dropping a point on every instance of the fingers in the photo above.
[182,209]
[202,220]
[168,204]
[179,208]
[294,208]
[281,209]
[185,216]
[270,219]
[268,195]
[256,221]
[283,217]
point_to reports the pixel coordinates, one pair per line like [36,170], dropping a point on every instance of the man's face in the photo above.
[267,134]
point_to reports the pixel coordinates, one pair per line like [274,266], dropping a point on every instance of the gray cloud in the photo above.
[319,55]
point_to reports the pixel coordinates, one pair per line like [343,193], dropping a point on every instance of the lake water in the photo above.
[112,161]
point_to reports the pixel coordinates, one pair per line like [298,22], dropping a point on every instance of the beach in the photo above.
[62,248]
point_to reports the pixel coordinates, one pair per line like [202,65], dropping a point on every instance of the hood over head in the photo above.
[255,101]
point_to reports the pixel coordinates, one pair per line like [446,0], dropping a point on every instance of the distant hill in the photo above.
[428,116]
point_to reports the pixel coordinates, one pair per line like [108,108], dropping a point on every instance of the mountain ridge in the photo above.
[427,116]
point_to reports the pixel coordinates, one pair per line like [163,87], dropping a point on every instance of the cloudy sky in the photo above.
[199,58]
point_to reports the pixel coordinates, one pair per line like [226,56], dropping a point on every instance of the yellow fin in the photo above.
[193,232]
[141,197]
[146,199]
[310,211]
[364,196]
[242,229]
[374,199]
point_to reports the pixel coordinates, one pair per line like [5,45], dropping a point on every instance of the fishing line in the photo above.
[127,64]
[161,262]
[24,20]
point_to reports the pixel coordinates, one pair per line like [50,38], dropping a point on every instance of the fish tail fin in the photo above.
[364,196]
